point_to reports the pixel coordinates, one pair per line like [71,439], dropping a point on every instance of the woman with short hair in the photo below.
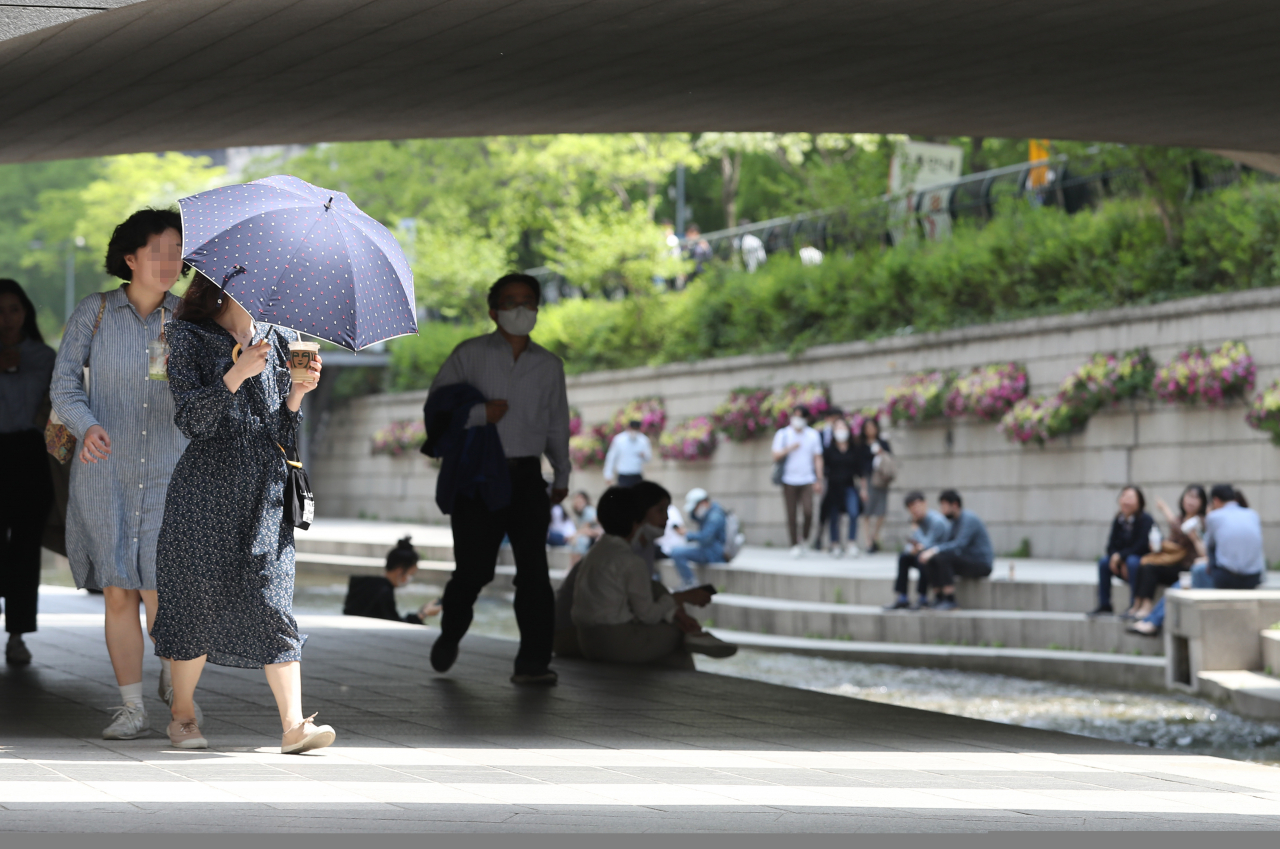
[127,443]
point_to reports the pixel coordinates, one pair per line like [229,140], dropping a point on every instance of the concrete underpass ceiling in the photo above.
[93,77]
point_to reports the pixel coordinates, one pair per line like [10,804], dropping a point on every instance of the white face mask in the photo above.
[798,422]
[841,434]
[649,533]
[519,321]
[699,512]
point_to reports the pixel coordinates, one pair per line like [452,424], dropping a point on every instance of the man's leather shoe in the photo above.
[536,679]
[443,653]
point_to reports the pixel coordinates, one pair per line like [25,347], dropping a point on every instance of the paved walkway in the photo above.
[610,749]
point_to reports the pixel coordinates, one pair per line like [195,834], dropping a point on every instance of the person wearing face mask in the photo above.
[842,466]
[705,545]
[799,448]
[621,615]
[127,444]
[654,502]
[523,384]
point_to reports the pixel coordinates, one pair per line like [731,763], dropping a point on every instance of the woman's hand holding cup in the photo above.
[312,379]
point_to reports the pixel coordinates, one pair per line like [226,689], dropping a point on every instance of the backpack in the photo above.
[733,535]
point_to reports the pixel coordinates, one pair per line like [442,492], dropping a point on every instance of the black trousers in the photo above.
[945,565]
[477,535]
[1150,577]
[907,562]
[26,494]
[629,480]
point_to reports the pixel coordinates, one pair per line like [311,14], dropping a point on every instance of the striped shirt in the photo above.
[116,505]
[537,419]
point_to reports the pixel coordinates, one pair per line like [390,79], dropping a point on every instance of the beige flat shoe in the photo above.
[306,736]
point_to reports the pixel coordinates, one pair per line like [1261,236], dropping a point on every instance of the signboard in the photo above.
[917,166]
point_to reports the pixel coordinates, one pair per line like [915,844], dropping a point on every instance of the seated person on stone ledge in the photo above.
[1178,552]
[966,551]
[705,545]
[1128,543]
[620,613]
[375,596]
[931,528]
[1233,542]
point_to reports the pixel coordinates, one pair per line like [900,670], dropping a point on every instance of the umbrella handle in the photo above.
[235,352]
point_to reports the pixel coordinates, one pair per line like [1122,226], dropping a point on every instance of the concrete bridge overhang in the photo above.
[94,77]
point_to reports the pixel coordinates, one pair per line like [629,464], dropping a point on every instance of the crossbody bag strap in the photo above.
[102,307]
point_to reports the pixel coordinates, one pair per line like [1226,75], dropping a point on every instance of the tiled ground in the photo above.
[610,749]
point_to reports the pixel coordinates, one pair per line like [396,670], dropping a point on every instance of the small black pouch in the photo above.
[299,501]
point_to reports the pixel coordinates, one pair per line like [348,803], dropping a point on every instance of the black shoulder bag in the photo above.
[299,500]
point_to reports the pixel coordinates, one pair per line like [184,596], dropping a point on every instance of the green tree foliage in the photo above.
[1026,261]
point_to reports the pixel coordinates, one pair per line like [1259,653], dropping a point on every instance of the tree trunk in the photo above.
[730,172]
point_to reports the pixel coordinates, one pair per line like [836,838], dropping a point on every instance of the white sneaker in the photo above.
[709,645]
[129,723]
[852,550]
[165,691]
[836,551]
[797,551]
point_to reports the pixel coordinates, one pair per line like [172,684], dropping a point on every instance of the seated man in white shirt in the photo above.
[620,613]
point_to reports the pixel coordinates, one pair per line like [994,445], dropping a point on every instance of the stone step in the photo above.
[1074,597]
[1073,667]
[1248,693]
[868,623]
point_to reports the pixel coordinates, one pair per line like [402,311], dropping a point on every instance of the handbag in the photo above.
[884,471]
[59,441]
[299,500]
[1170,554]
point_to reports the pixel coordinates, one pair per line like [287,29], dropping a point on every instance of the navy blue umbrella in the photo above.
[302,257]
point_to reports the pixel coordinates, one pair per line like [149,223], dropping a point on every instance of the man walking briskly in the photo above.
[966,551]
[799,448]
[526,401]
[628,452]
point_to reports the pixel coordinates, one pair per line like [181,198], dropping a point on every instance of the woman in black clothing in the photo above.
[26,486]
[875,499]
[1179,552]
[842,464]
[375,595]
[1129,541]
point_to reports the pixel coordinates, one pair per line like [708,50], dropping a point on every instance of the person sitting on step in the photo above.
[966,551]
[621,614]
[1233,541]
[931,528]
[1129,541]
[375,595]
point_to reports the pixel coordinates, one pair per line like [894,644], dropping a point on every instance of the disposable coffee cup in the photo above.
[301,356]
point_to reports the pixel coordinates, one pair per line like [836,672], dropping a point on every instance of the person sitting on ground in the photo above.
[705,545]
[654,502]
[375,595]
[620,613]
[1181,548]
[1233,543]
[588,529]
[931,528]
[966,551]
[1129,540]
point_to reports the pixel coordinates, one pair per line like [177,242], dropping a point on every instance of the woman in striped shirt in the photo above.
[128,444]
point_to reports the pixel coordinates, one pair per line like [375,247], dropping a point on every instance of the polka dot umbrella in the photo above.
[302,257]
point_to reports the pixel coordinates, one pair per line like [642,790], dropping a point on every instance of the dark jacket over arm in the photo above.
[472,460]
[375,597]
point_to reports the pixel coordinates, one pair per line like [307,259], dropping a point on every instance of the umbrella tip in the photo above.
[329,203]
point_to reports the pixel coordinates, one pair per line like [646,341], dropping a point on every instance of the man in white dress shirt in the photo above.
[628,452]
[524,383]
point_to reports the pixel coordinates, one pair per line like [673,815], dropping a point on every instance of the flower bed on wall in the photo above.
[1103,380]
[401,437]
[651,413]
[918,398]
[743,416]
[987,392]
[813,396]
[1196,376]
[588,449]
[694,439]
[575,421]
[1264,412]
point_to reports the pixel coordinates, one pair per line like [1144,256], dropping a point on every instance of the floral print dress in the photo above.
[225,559]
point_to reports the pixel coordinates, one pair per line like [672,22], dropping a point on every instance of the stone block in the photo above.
[1271,652]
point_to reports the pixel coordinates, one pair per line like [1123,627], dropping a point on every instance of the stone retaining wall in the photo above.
[1060,497]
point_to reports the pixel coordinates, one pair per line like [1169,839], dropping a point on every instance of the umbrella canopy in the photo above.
[302,257]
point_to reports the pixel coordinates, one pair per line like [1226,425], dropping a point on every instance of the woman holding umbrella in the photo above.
[225,560]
